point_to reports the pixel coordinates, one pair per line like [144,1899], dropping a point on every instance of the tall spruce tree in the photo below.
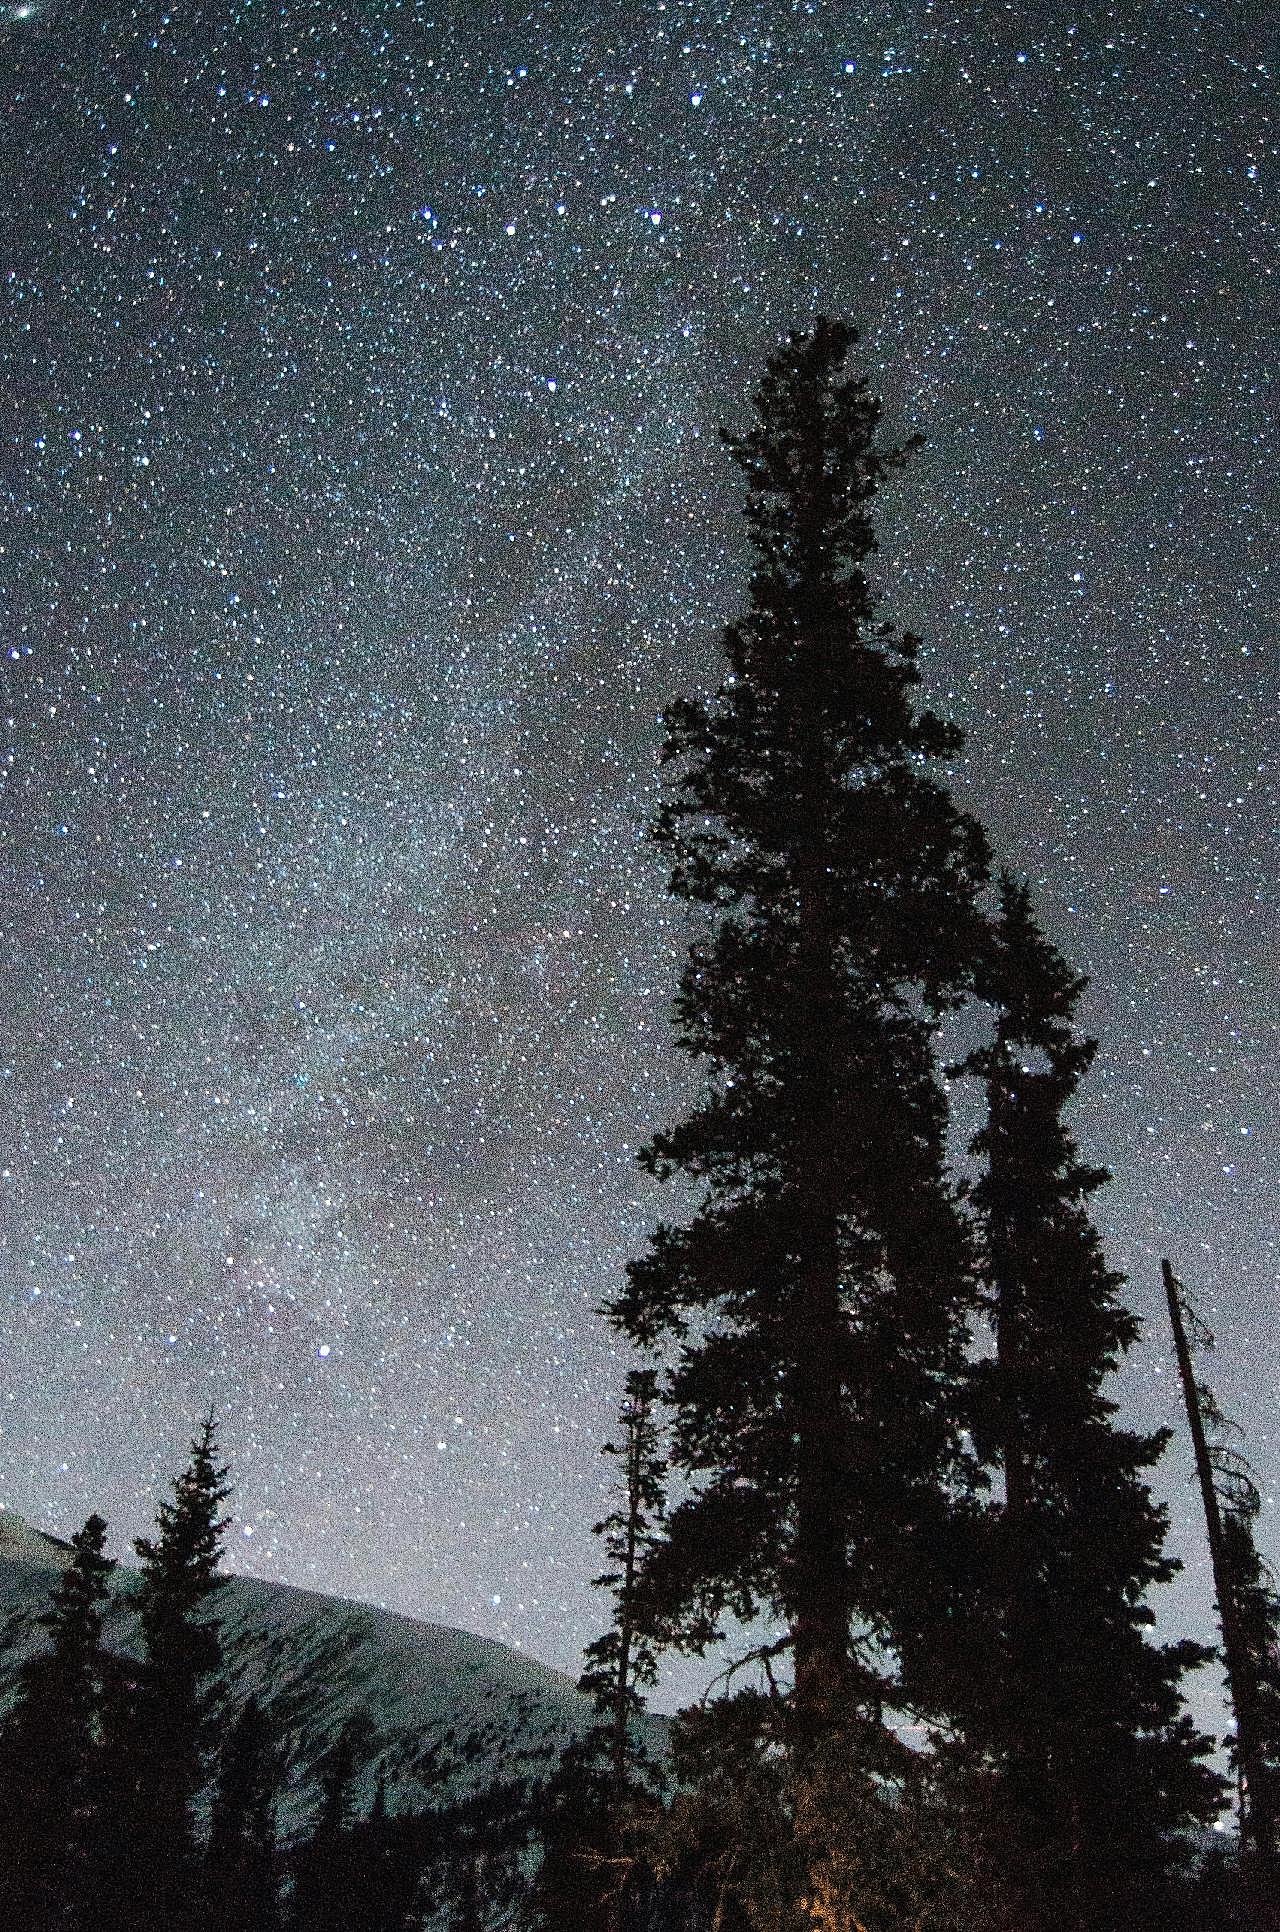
[820,1292]
[160,1736]
[48,1748]
[1094,1770]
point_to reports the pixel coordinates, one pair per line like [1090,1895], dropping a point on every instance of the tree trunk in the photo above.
[1256,1832]
[820,1615]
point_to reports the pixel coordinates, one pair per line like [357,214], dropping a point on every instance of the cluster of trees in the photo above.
[889,1449]
[103,1756]
[139,1793]
[869,1440]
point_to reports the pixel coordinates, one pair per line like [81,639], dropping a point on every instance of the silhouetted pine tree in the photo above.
[239,1866]
[48,1748]
[727,1852]
[589,1812]
[1094,1768]
[820,1292]
[159,1726]
[624,1660]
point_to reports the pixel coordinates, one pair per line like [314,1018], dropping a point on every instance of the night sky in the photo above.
[360,369]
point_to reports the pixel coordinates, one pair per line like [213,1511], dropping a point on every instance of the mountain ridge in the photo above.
[434,1712]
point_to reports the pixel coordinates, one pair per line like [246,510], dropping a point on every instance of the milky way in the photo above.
[363,506]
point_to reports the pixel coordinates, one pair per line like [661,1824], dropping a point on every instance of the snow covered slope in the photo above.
[428,1701]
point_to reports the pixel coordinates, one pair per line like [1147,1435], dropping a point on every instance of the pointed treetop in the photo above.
[191,1528]
[82,1587]
[1036,993]
[811,458]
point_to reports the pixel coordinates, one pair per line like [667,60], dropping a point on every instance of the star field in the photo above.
[363,506]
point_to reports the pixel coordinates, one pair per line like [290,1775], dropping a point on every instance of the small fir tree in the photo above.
[48,1751]
[590,1813]
[1094,1770]
[623,1663]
